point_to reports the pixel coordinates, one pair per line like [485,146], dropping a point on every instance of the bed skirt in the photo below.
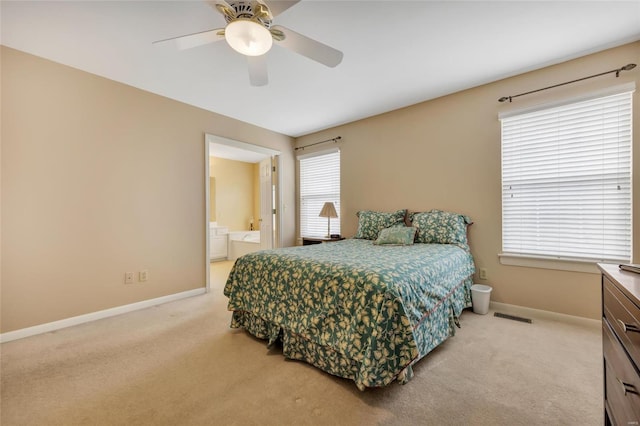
[368,371]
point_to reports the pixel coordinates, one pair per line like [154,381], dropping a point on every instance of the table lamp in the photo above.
[328,211]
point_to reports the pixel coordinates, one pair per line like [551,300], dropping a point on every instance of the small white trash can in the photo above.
[480,296]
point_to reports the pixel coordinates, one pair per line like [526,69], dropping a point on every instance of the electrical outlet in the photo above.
[143,275]
[128,277]
[483,274]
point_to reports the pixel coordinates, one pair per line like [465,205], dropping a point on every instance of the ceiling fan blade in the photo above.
[258,70]
[278,6]
[310,48]
[193,40]
[224,8]
[261,11]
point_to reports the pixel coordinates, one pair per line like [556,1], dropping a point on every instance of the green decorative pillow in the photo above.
[396,235]
[371,223]
[441,227]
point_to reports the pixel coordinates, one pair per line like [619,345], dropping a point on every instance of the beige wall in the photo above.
[235,202]
[445,154]
[99,178]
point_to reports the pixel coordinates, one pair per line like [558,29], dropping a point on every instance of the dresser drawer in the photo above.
[623,316]
[622,382]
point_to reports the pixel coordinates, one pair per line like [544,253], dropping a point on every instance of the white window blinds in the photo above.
[566,181]
[319,183]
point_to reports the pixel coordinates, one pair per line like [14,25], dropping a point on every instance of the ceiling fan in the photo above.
[249,31]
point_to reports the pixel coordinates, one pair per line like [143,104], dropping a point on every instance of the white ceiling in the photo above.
[395,53]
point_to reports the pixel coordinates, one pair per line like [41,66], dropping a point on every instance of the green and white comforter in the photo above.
[353,309]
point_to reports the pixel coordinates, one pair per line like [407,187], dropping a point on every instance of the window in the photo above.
[319,183]
[566,181]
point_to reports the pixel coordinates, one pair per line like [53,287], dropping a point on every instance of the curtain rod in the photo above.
[336,139]
[617,71]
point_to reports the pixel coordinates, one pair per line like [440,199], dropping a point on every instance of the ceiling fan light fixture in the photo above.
[248,37]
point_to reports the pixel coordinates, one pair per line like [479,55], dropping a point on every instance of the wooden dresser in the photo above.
[621,345]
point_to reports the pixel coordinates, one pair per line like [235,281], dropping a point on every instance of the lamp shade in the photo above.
[248,37]
[328,210]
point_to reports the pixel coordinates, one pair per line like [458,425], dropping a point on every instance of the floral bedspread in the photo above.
[351,308]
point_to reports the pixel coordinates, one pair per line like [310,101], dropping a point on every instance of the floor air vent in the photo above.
[512,317]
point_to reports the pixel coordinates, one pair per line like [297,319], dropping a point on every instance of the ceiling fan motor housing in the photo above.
[253,10]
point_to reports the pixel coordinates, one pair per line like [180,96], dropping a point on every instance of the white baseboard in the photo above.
[81,319]
[522,311]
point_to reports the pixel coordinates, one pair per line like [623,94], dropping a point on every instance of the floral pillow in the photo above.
[441,227]
[396,235]
[371,223]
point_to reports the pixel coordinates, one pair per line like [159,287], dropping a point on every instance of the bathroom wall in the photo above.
[235,199]
[212,199]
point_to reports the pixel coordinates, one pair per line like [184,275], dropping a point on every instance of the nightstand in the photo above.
[307,241]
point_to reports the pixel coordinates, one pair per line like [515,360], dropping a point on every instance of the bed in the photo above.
[354,308]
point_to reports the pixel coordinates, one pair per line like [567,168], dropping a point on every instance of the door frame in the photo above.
[274,154]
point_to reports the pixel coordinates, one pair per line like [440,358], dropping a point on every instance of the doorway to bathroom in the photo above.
[242,198]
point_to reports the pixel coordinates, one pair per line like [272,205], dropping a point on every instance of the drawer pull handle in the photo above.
[627,387]
[629,327]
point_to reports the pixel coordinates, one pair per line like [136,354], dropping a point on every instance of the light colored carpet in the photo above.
[180,364]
